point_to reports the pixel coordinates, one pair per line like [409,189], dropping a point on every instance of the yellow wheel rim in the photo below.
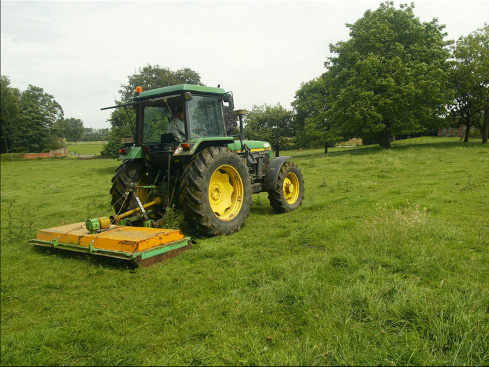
[226,192]
[291,188]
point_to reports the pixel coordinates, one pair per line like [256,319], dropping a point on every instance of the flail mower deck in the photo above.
[140,245]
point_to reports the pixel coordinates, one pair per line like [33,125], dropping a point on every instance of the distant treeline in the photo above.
[90,134]
[32,121]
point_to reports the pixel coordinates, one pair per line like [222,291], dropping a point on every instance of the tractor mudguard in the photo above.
[131,153]
[273,171]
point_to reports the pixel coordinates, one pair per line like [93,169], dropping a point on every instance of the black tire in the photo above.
[129,173]
[277,197]
[194,192]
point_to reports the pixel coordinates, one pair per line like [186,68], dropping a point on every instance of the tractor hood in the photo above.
[254,145]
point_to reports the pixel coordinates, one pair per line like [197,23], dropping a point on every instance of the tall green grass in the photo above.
[386,262]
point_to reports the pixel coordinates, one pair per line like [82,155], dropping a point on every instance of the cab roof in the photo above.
[180,88]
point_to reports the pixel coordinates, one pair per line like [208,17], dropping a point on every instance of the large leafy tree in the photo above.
[150,77]
[9,118]
[123,120]
[271,123]
[39,112]
[390,77]
[470,79]
[311,123]
[70,129]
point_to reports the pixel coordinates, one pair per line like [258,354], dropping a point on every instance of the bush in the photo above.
[111,149]
[52,142]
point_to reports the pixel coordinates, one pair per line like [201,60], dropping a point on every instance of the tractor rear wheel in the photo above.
[288,191]
[127,176]
[216,192]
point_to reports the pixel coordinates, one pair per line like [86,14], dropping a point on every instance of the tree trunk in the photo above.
[326,148]
[467,130]
[387,137]
[485,126]
[277,151]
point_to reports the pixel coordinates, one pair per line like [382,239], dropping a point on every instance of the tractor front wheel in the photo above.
[288,191]
[216,192]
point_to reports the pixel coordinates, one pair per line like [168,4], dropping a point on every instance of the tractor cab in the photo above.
[179,121]
[179,114]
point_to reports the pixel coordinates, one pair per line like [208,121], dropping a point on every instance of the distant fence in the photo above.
[452,131]
[61,152]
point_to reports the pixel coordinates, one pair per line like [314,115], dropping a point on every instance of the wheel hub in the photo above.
[291,188]
[216,193]
[226,192]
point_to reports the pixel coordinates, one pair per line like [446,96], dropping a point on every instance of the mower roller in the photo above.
[183,156]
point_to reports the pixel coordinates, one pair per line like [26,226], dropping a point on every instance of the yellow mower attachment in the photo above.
[142,245]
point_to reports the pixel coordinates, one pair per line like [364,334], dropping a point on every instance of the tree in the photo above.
[311,123]
[123,120]
[70,129]
[470,79]
[28,119]
[150,77]
[9,118]
[271,123]
[39,112]
[390,77]
[90,134]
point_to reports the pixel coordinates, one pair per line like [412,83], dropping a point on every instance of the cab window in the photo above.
[206,118]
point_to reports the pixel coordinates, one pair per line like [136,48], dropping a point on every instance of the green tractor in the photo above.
[184,156]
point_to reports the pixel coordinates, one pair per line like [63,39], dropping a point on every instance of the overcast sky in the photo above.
[81,52]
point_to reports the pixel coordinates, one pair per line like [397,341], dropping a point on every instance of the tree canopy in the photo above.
[155,76]
[71,129]
[33,121]
[390,77]
[10,104]
[470,79]
[39,113]
[271,123]
[311,123]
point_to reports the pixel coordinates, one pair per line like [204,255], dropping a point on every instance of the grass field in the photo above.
[86,147]
[386,262]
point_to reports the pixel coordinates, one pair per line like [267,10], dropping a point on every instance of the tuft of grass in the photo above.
[384,263]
